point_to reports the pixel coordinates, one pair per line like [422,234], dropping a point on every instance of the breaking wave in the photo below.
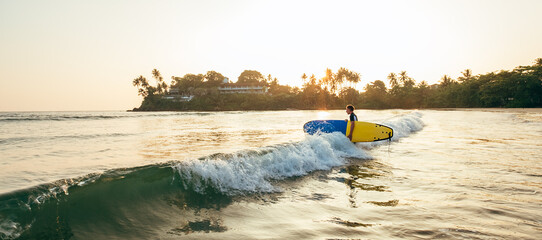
[117,199]
[252,171]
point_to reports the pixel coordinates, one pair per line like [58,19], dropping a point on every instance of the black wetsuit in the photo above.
[353,117]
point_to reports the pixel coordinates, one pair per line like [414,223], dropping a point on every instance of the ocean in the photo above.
[449,174]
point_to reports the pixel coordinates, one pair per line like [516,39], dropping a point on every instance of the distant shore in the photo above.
[534,109]
[517,88]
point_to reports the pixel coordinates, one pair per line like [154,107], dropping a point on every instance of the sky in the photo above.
[76,55]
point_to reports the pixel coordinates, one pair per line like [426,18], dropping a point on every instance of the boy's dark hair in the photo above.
[350,107]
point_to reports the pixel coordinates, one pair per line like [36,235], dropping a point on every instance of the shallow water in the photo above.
[227,175]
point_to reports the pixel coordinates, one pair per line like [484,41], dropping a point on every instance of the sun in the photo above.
[322,114]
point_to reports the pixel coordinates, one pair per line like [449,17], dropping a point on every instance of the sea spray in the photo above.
[402,125]
[252,171]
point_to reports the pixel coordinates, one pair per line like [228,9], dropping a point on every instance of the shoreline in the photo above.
[291,109]
[434,109]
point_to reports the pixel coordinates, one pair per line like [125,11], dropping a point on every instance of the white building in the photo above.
[174,95]
[178,98]
[235,88]
[228,87]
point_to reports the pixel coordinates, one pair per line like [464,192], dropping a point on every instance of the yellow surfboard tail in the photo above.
[369,132]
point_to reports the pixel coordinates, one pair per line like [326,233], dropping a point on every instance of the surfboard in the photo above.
[369,132]
[363,131]
[325,126]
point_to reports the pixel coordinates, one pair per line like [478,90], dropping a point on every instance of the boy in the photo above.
[353,117]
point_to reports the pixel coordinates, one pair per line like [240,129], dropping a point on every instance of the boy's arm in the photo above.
[351,130]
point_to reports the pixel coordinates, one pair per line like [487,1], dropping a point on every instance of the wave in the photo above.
[119,200]
[52,117]
[122,196]
[113,200]
[402,125]
[70,116]
[16,140]
[253,171]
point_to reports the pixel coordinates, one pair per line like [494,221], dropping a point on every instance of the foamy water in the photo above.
[230,175]
[252,170]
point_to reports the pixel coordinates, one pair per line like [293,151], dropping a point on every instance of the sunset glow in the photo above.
[83,55]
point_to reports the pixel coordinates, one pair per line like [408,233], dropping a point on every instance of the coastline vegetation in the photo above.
[517,88]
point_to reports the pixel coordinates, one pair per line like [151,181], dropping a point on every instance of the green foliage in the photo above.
[335,82]
[375,95]
[251,77]
[144,89]
[393,80]
[142,86]
[161,86]
[188,83]
[521,87]
[213,79]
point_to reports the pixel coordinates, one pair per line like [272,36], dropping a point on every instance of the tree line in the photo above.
[520,87]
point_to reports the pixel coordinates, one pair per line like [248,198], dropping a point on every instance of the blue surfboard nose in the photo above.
[325,126]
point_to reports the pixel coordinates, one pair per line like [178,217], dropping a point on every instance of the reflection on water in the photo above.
[349,223]
[366,176]
[251,136]
[173,139]
[364,171]
[319,196]
[207,226]
[390,203]
[353,184]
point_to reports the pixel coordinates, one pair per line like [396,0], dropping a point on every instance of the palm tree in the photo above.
[446,81]
[163,86]
[142,86]
[312,79]
[160,86]
[330,80]
[344,74]
[269,79]
[467,75]
[393,79]
[353,78]
[403,77]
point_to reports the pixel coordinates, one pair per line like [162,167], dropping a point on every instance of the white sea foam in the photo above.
[10,229]
[252,171]
[404,125]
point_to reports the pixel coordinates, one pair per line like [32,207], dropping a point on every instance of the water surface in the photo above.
[471,174]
